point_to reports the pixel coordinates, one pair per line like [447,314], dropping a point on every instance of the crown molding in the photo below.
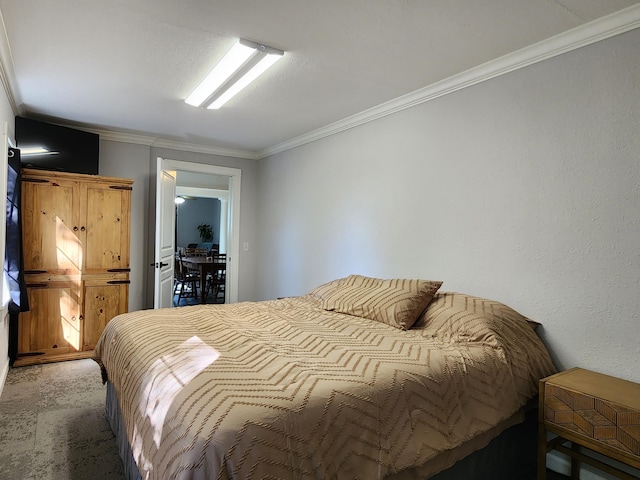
[156,142]
[7,73]
[225,152]
[595,31]
[118,136]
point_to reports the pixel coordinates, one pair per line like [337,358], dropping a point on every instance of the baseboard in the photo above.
[4,345]
[3,374]
[560,463]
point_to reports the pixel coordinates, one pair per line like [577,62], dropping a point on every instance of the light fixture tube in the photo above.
[232,61]
[241,56]
[246,79]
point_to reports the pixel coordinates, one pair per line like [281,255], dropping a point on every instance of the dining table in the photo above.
[204,265]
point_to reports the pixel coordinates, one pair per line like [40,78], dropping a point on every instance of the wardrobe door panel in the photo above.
[53,238]
[107,227]
[103,300]
[52,326]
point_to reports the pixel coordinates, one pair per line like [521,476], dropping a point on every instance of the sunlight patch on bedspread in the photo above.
[167,376]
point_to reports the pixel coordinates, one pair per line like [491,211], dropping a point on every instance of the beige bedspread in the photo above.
[284,389]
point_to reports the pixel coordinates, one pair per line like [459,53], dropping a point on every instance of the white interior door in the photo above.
[165,236]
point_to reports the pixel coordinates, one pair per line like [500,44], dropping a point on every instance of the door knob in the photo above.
[162,264]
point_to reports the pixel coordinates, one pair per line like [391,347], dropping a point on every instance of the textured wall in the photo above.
[524,189]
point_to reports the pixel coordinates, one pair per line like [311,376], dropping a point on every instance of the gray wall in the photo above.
[523,189]
[194,212]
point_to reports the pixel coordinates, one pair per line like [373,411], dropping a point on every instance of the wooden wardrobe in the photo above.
[75,239]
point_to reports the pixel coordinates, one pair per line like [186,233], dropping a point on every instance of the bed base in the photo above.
[510,456]
[112,410]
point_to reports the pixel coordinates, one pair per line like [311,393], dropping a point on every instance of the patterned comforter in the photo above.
[285,389]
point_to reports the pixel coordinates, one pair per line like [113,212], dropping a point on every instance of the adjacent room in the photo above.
[396,240]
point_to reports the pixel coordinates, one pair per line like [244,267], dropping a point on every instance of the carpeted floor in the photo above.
[53,426]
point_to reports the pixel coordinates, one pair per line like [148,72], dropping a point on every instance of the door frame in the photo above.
[233,219]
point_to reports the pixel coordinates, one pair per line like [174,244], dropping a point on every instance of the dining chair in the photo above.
[195,252]
[216,280]
[188,280]
[182,286]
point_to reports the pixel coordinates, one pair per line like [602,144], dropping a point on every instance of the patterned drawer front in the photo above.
[607,422]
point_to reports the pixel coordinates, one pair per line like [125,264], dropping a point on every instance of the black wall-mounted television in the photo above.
[53,147]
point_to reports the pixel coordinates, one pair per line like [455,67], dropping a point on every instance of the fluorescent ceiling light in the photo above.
[245,62]
[245,80]
[231,62]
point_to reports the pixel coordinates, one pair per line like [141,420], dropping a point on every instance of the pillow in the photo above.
[326,289]
[453,315]
[396,302]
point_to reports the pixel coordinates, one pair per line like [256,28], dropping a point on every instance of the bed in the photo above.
[360,378]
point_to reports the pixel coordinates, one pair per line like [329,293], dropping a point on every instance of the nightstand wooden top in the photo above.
[599,385]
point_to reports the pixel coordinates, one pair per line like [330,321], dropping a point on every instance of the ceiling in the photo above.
[125,66]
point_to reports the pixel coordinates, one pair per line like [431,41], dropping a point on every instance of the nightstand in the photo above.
[590,410]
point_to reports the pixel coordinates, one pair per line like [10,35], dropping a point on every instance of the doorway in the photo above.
[202,199]
[165,215]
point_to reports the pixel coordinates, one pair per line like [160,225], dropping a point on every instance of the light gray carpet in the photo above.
[53,426]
